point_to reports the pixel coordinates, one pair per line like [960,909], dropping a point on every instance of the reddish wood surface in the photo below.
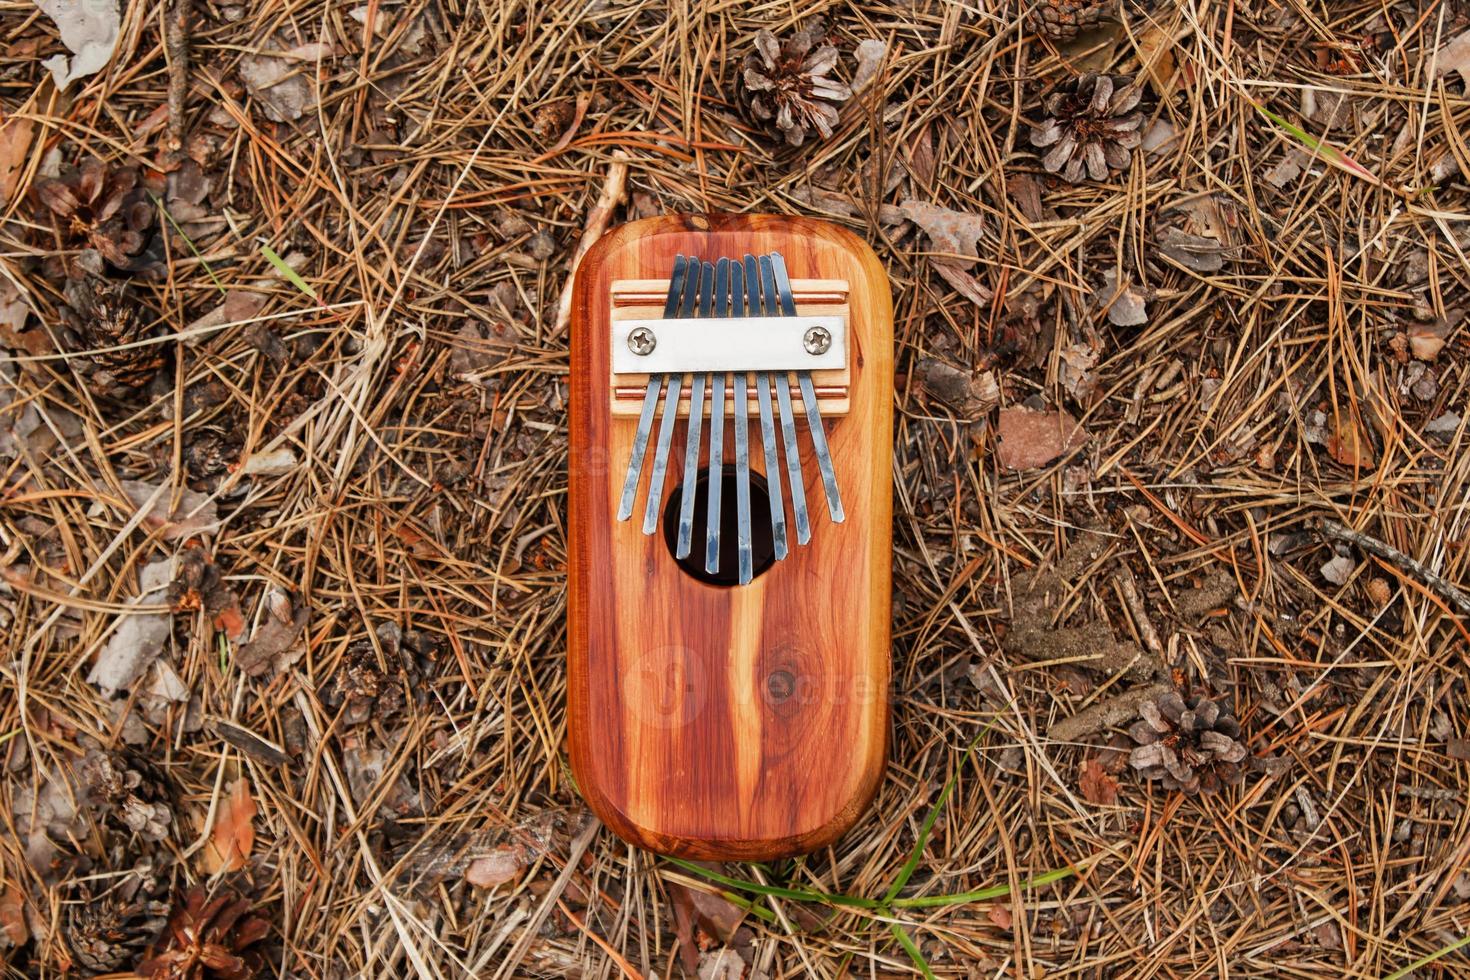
[747,722]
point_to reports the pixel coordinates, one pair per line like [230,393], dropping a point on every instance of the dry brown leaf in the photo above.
[1426,340]
[15,148]
[1350,446]
[496,868]
[233,837]
[954,233]
[1029,439]
[1000,916]
[1156,55]
[1454,56]
[1096,785]
[13,930]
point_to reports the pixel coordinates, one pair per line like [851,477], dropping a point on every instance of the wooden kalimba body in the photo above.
[729,527]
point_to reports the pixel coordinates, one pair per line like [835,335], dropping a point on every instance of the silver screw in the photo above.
[817,340]
[641,341]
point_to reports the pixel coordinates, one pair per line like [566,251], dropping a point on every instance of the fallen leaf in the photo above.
[1156,55]
[1000,916]
[1160,133]
[1426,340]
[954,233]
[496,868]
[1339,570]
[1029,439]
[193,515]
[89,29]
[1192,251]
[717,916]
[1458,748]
[971,393]
[967,285]
[15,426]
[1096,785]
[870,55]
[277,462]
[1350,446]
[274,647]
[1454,56]
[1125,304]
[1077,362]
[233,837]
[1379,592]
[1287,169]
[13,930]
[15,149]
[283,82]
[139,637]
[250,743]
[722,964]
[385,25]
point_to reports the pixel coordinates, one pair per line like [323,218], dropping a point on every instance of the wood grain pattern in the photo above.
[730,723]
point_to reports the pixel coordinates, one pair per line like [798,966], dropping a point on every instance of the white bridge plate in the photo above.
[721,344]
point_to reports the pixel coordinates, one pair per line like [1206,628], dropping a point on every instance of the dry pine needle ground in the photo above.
[1180,310]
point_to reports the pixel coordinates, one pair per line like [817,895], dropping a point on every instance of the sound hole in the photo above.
[762,548]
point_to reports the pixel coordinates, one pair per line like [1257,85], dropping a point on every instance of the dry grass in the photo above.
[431,201]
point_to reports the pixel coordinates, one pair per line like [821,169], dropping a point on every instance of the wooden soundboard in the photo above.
[743,721]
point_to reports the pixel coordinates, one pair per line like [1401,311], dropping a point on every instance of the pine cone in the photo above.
[109,211]
[363,689]
[209,454]
[106,315]
[1063,20]
[1190,745]
[788,83]
[208,939]
[108,933]
[120,789]
[1091,127]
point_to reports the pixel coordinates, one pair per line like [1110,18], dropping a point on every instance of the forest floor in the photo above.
[1180,484]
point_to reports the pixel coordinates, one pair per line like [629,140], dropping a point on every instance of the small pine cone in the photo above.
[1189,745]
[786,83]
[106,210]
[361,688]
[208,454]
[208,939]
[107,934]
[105,315]
[1063,20]
[1092,127]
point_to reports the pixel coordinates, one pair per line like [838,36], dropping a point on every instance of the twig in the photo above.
[613,187]
[1105,714]
[176,31]
[1131,599]
[1446,589]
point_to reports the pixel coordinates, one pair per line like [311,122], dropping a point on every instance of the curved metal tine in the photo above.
[744,545]
[788,425]
[809,400]
[768,428]
[650,402]
[697,382]
[716,431]
[671,410]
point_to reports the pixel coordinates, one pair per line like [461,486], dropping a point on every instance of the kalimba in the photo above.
[729,532]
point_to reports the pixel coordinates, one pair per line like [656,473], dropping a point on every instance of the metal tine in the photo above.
[743,538]
[650,402]
[716,429]
[696,422]
[788,425]
[768,428]
[671,407]
[809,400]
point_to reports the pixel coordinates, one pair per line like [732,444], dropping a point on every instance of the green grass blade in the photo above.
[287,271]
[1326,150]
[189,242]
[984,894]
[927,828]
[774,891]
[912,948]
[1422,961]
